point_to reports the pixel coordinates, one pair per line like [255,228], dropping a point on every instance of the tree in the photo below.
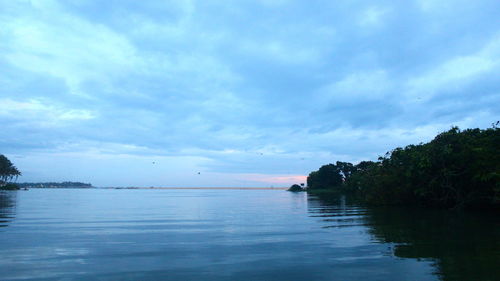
[328,176]
[295,188]
[346,169]
[457,169]
[7,170]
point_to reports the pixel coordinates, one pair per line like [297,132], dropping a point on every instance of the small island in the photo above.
[297,188]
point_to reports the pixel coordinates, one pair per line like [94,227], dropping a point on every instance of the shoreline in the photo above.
[162,188]
[201,188]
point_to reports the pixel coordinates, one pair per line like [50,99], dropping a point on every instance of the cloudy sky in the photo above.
[236,93]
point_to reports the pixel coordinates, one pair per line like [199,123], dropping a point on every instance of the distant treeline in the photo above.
[65,184]
[457,169]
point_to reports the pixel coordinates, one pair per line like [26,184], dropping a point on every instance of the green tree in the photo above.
[457,169]
[328,176]
[7,170]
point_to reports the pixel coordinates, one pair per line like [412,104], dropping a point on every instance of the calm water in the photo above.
[235,235]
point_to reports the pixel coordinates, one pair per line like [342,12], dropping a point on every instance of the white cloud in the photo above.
[456,72]
[68,48]
[42,113]
[273,3]
[356,87]
[437,5]
[373,16]
[280,51]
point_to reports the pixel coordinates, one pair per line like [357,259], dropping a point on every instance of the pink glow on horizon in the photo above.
[278,179]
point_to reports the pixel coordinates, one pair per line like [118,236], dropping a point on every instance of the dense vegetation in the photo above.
[457,169]
[8,172]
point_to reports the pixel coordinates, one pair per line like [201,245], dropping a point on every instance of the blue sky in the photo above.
[245,93]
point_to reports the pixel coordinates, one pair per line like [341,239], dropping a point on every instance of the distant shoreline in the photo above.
[207,188]
[39,186]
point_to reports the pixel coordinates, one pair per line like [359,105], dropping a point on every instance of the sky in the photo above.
[236,93]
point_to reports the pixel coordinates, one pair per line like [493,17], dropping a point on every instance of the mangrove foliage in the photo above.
[457,169]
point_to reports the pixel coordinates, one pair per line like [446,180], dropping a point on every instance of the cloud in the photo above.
[44,114]
[65,47]
[457,71]
[357,87]
[373,16]
[268,88]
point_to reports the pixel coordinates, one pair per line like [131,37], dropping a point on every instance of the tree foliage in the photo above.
[7,170]
[456,169]
[330,176]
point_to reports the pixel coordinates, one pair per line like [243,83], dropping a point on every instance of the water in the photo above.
[235,235]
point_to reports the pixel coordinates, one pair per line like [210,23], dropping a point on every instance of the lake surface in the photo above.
[97,234]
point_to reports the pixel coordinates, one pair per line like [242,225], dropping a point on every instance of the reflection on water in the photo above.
[7,207]
[336,211]
[234,235]
[462,246]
